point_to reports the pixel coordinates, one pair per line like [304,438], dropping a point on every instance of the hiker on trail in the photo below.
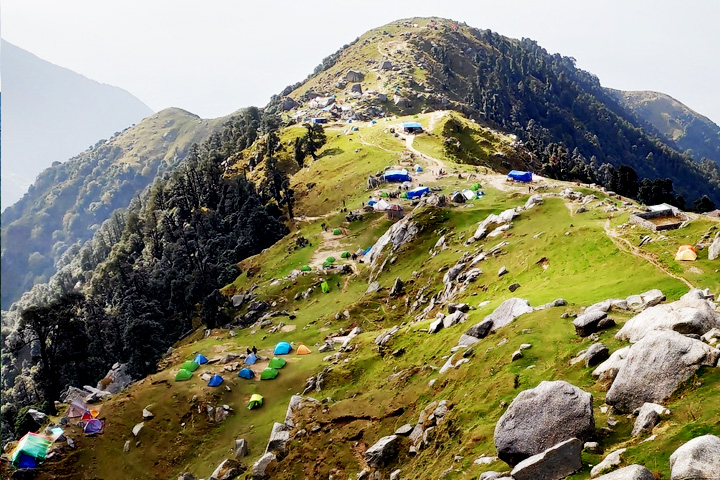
[338,284]
[343,203]
[529,189]
[248,351]
[254,350]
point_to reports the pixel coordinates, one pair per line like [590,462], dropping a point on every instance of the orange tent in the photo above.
[303,350]
[686,252]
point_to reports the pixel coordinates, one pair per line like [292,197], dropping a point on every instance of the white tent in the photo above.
[381,205]
[469,194]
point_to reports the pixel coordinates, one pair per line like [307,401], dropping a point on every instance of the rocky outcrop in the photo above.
[554,463]
[116,379]
[354,76]
[260,467]
[395,237]
[492,222]
[508,311]
[691,314]
[475,333]
[645,300]
[279,438]
[431,416]
[607,371]
[588,323]
[631,472]
[608,463]
[595,354]
[714,248]
[655,367]
[383,452]
[698,459]
[647,417]
[296,404]
[542,417]
[228,470]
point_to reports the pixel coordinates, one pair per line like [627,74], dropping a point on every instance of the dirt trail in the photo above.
[624,245]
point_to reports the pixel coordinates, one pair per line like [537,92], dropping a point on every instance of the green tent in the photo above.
[277,363]
[183,375]
[403,195]
[337,231]
[330,259]
[306,268]
[327,264]
[477,186]
[255,401]
[325,287]
[31,450]
[385,194]
[269,374]
[190,365]
[344,254]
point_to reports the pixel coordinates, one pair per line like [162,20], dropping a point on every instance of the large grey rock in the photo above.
[279,438]
[37,415]
[587,323]
[698,459]
[607,305]
[597,353]
[607,370]
[493,221]
[554,463]
[288,103]
[645,300]
[241,448]
[655,367]
[354,76]
[631,472]
[508,311]
[714,249]
[383,452]
[691,314]
[116,379]
[297,403]
[608,463]
[454,318]
[542,417]
[259,467]
[396,236]
[228,470]
[475,333]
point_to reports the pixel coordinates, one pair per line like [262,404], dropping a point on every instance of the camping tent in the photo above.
[305,268]
[93,426]
[251,359]
[215,381]
[283,348]
[303,350]
[344,254]
[325,287]
[277,363]
[183,375]
[381,206]
[337,231]
[520,176]
[190,365]
[246,373]
[200,359]
[397,176]
[31,450]
[269,374]
[76,408]
[255,401]
[469,194]
[417,192]
[417,168]
[686,252]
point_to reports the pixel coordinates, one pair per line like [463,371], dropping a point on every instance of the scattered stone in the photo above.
[591,447]
[502,271]
[37,415]
[483,460]
[631,472]
[542,417]
[587,323]
[596,354]
[259,467]
[508,311]
[517,355]
[228,470]
[383,452]
[436,326]
[607,371]
[279,438]
[241,448]
[70,442]
[395,475]
[610,462]
[137,428]
[554,463]
[147,414]
[454,318]
[126,447]
[645,300]
[513,287]
[714,249]
[647,417]
[397,287]
[475,333]
[654,368]
[698,459]
[405,430]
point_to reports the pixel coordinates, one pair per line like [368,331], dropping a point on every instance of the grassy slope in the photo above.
[583,267]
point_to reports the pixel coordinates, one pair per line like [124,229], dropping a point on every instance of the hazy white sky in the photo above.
[212,57]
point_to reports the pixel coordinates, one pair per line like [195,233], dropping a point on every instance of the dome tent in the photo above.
[686,252]
[269,374]
[200,359]
[303,350]
[183,375]
[246,373]
[215,381]
[93,426]
[256,400]
[251,359]
[277,363]
[190,365]
[282,348]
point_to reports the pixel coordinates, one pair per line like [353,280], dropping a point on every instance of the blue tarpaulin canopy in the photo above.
[417,192]
[397,176]
[282,348]
[520,176]
[412,127]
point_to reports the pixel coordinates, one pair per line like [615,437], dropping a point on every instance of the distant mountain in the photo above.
[678,124]
[50,114]
[69,201]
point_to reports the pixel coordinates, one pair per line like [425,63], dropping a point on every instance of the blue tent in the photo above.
[282,348]
[412,127]
[417,192]
[215,381]
[246,373]
[520,176]
[251,359]
[397,176]
[372,202]
[200,359]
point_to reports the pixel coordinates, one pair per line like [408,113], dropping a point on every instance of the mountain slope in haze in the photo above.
[70,200]
[562,113]
[675,122]
[51,113]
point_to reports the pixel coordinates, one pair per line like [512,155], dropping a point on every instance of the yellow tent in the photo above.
[686,252]
[303,350]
